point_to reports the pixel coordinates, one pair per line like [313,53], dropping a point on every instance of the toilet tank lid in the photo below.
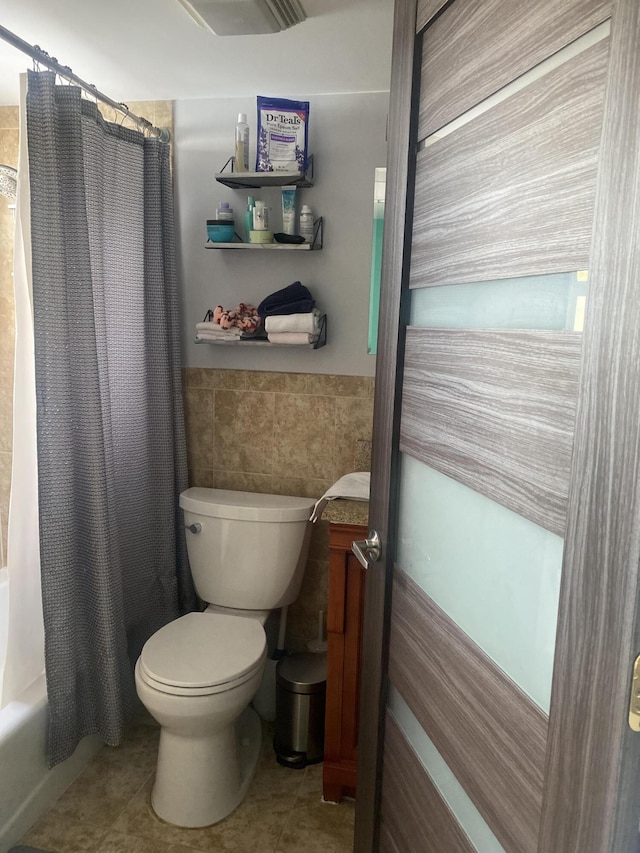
[246,506]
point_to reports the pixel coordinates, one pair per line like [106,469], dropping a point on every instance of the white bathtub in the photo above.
[27,786]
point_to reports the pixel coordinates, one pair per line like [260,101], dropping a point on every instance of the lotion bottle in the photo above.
[306,223]
[242,144]
[260,216]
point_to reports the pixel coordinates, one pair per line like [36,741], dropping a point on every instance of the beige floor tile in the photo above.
[118,842]
[59,834]
[108,809]
[256,825]
[102,791]
[317,827]
[138,749]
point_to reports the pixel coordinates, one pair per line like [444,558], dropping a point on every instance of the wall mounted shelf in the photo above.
[279,247]
[318,240]
[253,342]
[256,180]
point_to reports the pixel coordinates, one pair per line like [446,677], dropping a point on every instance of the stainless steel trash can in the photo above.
[301,682]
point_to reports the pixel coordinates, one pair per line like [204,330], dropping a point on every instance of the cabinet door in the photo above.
[344,629]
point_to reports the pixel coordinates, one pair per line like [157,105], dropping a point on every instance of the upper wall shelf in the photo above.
[255,180]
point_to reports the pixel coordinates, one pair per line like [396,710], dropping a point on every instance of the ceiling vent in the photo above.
[245,17]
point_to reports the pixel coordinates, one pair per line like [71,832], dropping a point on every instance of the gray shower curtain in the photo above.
[110,432]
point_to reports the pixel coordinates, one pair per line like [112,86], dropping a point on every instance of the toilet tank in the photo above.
[246,550]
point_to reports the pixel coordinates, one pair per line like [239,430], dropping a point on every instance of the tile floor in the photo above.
[108,810]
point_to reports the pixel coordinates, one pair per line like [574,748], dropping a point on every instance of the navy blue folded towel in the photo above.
[294,299]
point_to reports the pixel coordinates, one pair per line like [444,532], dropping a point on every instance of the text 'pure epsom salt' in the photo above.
[282,135]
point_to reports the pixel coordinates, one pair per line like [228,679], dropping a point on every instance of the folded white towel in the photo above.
[217,329]
[222,335]
[309,323]
[295,338]
[353,487]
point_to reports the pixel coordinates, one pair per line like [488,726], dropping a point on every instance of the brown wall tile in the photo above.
[242,482]
[354,419]
[304,435]
[244,432]
[9,118]
[281,433]
[302,619]
[284,383]
[198,415]
[210,377]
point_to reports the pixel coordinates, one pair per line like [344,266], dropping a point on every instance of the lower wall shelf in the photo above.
[253,342]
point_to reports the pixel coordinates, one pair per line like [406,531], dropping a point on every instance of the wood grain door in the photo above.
[501,622]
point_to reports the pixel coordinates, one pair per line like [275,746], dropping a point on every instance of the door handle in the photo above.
[368,550]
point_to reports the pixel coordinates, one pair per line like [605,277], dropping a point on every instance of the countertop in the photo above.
[342,511]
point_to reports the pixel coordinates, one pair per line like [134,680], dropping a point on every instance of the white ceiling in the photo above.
[152,50]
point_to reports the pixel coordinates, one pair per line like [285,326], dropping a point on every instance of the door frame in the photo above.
[396,252]
[592,780]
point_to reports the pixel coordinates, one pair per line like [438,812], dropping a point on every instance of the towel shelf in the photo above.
[253,342]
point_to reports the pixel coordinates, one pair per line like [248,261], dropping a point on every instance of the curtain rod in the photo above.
[64,71]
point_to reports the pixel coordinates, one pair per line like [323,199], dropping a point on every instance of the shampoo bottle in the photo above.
[242,144]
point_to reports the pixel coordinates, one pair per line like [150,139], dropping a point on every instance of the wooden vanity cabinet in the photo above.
[344,638]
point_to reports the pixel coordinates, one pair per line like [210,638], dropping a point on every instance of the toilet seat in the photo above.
[202,654]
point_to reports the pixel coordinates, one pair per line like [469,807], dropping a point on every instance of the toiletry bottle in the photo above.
[306,223]
[289,210]
[260,217]
[223,212]
[242,144]
[248,217]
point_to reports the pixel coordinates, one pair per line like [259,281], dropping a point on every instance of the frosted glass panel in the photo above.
[492,571]
[536,302]
[450,789]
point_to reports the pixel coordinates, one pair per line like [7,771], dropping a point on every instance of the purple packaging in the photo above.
[283,127]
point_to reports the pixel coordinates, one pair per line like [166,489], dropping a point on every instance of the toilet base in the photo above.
[199,781]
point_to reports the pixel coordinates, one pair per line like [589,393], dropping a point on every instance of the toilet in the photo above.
[197,675]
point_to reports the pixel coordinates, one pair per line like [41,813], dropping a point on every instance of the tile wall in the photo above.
[284,433]
[8,157]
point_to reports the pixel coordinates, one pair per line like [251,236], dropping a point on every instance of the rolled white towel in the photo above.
[295,338]
[308,323]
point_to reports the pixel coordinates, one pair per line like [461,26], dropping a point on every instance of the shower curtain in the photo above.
[25,637]
[110,431]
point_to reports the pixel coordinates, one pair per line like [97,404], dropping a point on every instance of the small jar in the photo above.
[224,212]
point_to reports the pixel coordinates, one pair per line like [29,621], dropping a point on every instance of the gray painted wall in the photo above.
[347,135]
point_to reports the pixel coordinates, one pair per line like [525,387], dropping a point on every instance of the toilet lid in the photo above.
[204,650]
